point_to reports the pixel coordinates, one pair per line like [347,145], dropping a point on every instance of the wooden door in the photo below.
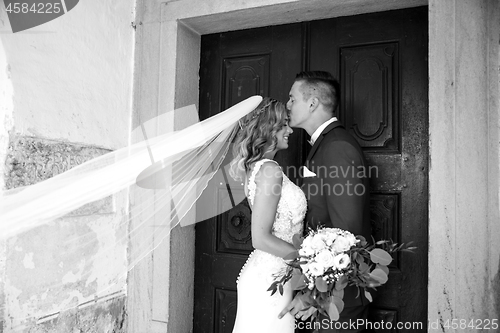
[381,61]
[233,67]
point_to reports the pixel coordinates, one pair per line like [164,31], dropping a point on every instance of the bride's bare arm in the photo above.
[267,194]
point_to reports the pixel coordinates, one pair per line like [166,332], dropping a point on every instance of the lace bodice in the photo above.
[289,221]
[291,206]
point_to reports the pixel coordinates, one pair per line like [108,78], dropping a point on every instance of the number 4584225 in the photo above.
[473,324]
[36,8]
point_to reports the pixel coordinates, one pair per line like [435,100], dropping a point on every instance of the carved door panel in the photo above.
[380,60]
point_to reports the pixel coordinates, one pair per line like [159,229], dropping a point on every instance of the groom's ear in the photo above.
[313,103]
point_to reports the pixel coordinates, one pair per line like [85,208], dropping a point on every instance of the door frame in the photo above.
[166,76]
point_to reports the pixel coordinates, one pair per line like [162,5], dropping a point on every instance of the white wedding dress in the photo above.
[257,310]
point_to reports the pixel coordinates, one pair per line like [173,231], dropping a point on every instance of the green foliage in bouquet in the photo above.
[330,259]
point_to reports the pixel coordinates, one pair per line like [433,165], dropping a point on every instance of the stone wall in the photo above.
[30,160]
[109,316]
[464,172]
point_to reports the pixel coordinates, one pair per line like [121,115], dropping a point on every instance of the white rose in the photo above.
[316,269]
[307,242]
[330,238]
[306,251]
[341,244]
[329,230]
[325,258]
[341,261]
[352,239]
[318,243]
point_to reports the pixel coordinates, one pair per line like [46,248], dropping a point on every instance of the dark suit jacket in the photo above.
[338,196]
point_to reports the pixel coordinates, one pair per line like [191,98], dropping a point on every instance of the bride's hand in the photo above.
[298,308]
[305,314]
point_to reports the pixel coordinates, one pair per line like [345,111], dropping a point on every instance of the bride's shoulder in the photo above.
[266,169]
[264,163]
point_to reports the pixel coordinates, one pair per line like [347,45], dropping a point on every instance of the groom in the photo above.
[334,182]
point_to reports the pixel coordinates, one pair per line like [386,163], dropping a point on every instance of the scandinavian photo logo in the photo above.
[26,14]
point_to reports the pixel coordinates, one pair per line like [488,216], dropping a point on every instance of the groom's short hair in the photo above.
[322,85]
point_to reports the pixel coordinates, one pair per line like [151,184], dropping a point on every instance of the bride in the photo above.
[278,209]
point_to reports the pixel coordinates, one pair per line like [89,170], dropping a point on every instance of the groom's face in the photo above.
[298,107]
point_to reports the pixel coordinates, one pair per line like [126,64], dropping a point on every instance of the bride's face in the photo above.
[282,137]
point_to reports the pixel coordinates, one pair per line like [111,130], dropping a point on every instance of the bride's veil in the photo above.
[166,175]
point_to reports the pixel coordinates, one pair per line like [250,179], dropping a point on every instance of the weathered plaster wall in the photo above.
[493,92]
[6,108]
[6,105]
[494,157]
[464,175]
[46,274]
[66,97]
[74,71]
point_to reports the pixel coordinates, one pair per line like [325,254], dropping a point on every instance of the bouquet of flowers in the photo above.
[330,259]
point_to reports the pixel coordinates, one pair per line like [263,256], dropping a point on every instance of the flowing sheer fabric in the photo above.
[165,175]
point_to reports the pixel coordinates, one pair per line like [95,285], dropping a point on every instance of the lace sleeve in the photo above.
[251,181]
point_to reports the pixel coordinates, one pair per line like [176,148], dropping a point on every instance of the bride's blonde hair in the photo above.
[257,135]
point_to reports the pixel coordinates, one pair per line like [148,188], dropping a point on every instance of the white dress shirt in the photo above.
[320,129]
